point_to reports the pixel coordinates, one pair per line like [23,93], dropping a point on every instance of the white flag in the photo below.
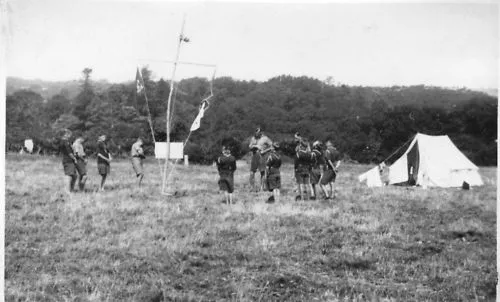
[197,120]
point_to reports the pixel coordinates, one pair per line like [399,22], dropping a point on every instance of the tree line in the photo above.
[365,123]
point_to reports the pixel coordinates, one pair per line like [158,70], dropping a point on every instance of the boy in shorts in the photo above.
[273,176]
[302,164]
[68,161]
[330,169]
[81,162]
[137,154]
[316,162]
[260,144]
[226,165]
[103,160]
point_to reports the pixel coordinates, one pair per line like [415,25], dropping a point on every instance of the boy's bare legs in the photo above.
[103,180]
[140,177]
[313,191]
[252,180]
[82,179]
[276,194]
[70,183]
[325,191]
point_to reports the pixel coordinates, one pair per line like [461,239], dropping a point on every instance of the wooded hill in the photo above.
[365,123]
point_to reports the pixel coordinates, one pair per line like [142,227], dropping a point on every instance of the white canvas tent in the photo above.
[434,161]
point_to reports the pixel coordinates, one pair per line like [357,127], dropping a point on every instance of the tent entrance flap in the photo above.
[413,160]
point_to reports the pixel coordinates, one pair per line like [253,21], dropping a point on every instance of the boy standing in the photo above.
[226,165]
[103,160]
[260,144]
[302,166]
[137,154]
[81,162]
[330,169]
[273,176]
[316,162]
[68,161]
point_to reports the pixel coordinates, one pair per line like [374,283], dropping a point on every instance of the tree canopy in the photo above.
[365,123]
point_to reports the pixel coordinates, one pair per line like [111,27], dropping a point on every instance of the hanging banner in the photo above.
[176,150]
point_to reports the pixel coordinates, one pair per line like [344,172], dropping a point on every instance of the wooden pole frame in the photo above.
[172,81]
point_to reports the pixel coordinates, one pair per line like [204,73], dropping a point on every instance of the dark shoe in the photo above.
[270,199]
[297,198]
[312,198]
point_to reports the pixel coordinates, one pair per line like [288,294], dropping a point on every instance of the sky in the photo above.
[370,44]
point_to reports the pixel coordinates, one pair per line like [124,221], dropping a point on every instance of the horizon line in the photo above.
[338,83]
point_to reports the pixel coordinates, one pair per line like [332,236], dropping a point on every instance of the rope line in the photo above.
[393,153]
[150,121]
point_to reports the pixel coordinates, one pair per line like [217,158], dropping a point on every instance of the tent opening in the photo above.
[413,160]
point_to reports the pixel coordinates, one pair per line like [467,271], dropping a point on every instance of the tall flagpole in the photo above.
[181,38]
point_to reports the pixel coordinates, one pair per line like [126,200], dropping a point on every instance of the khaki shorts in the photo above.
[254,165]
[81,167]
[103,169]
[328,177]
[273,181]
[137,165]
[302,175]
[69,168]
[315,175]
[226,183]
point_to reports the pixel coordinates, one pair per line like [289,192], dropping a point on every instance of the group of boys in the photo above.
[75,161]
[316,166]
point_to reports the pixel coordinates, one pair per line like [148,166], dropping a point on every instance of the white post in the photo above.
[186,160]
[181,36]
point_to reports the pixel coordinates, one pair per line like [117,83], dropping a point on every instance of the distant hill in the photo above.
[417,95]
[489,91]
[48,89]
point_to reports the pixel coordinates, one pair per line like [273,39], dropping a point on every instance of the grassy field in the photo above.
[380,244]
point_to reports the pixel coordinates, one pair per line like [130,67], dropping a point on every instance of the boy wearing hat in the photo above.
[330,169]
[226,165]
[68,161]
[103,160]
[273,177]
[260,145]
[81,162]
